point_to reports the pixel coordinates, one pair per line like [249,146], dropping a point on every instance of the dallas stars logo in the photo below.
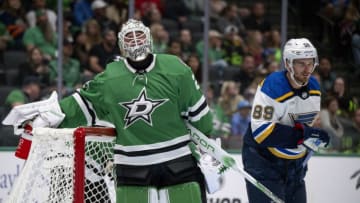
[141,108]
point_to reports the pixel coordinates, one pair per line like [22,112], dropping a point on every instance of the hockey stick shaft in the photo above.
[209,146]
[311,152]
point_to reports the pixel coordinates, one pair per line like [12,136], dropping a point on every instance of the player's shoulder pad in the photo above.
[172,63]
[276,86]
[314,87]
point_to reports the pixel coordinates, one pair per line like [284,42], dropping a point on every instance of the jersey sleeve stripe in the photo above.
[89,112]
[259,137]
[284,97]
[89,115]
[199,115]
[315,92]
[286,154]
[197,111]
[197,105]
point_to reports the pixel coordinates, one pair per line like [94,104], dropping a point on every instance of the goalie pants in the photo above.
[174,172]
[285,178]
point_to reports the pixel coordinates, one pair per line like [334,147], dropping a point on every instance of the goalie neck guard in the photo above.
[135,40]
[300,48]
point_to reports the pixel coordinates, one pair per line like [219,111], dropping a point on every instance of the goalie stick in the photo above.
[209,146]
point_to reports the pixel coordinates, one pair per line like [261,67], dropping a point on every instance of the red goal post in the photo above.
[68,165]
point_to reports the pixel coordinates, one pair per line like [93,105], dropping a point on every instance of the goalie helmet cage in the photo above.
[68,165]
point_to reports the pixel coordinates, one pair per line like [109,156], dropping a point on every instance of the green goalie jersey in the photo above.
[148,109]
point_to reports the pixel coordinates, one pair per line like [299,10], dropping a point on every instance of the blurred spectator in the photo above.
[272,50]
[257,19]
[82,12]
[187,44]
[229,17]
[137,15]
[193,62]
[67,34]
[216,8]
[331,124]
[36,66]
[160,38]
[352,134]
[29,92]
[254,41]
[12,17]
[272,67]
[247,73]
[175,48]
[327,75]
[249,94]
[355,37]
[229,98]
[42,36]
[92,33]
[117,11]
[241,119]
[234,46]
[176,10]
[195,7]
[101,53]
[221,124]
[99,14]
[5,38]
[153,16]
[71,68]
[80,51]
[41,5]
[144,6]
[215,50]
[347,103]
[345,30]
[239,124]
[335,9]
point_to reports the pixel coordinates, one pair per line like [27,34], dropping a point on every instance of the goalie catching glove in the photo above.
[46,113]
[313,138]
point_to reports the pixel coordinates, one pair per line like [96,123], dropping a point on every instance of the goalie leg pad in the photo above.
[136,194]
[186,192]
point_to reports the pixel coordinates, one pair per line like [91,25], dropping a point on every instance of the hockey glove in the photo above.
[209,167]
[313,138]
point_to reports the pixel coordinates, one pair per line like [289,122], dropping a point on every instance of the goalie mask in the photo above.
[298,49]
[135,41]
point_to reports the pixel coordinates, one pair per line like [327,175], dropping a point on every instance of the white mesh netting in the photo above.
[48,174]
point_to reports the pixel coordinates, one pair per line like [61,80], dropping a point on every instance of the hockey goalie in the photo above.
[148,98]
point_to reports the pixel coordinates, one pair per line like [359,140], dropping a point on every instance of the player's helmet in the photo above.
[298,49]
[135,41]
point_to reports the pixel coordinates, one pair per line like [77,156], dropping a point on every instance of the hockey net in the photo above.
[68,165]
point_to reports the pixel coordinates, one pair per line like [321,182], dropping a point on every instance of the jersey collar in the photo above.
[148,69]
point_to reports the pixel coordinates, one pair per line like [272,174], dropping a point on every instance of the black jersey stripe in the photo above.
[91,112]
[198,110]
[151,151]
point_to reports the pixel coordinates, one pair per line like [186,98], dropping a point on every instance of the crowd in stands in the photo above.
[244,47]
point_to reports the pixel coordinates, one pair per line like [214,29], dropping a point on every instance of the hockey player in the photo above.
[280,134]
[148,98]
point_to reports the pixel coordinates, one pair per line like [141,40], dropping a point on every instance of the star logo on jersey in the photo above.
[141,108]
